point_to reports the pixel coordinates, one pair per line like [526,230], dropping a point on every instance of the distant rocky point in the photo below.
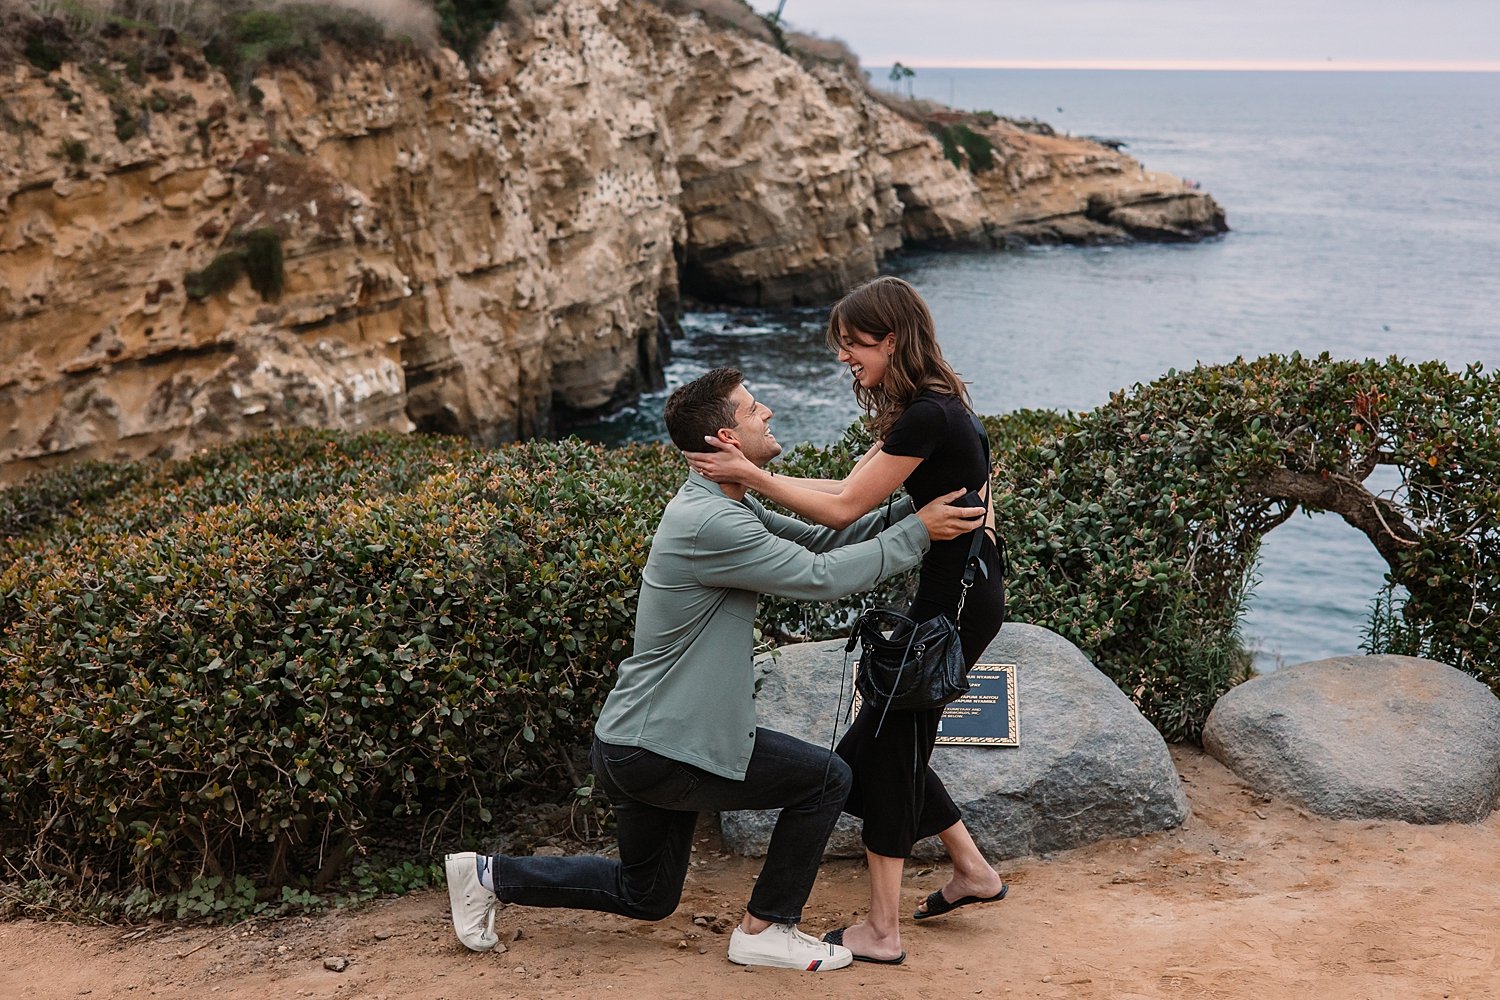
[495,248]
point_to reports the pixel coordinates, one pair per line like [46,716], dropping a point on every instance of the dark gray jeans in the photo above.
[657,801]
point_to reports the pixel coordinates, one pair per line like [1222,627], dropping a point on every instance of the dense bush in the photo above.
[228,667]
[1135,531]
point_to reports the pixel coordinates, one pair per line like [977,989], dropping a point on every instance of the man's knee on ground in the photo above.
[656,907]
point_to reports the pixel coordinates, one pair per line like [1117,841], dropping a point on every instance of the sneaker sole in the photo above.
[822,965]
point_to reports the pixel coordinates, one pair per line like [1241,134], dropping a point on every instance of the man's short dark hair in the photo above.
[700,408]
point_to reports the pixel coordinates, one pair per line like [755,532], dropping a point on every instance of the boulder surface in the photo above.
[1365,737]
[1089,767]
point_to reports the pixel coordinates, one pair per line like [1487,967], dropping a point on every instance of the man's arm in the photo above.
[733,548]
[821,539]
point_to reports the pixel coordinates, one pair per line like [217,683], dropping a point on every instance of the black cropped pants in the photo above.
[897,794]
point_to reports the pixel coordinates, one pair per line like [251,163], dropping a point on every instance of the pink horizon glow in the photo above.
[1241,65]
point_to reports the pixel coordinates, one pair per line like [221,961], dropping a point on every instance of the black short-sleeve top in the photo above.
[936,427]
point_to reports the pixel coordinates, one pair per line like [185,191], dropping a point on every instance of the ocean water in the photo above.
[1365,215]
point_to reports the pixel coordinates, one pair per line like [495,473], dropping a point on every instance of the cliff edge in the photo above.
[395,238]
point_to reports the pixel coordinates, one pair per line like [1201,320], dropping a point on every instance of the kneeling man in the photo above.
[678,735]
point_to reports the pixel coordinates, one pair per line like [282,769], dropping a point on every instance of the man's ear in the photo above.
[728,435]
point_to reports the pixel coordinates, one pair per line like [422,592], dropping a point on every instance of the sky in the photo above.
[1292,34]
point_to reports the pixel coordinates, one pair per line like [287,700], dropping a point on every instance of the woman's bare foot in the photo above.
[980,885]
[863,940]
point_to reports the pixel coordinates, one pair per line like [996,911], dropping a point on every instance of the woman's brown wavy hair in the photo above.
[880,308]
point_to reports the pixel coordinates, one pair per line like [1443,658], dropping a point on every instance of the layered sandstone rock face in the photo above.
[494,250]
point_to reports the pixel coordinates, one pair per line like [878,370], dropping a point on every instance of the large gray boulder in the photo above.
[1089,766]
[1365,737]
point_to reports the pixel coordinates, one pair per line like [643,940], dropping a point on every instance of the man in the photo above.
[677,735]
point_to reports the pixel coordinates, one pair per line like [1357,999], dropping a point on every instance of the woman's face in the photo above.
[867,357]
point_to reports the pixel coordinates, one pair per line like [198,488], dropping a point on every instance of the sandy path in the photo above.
[1251,899]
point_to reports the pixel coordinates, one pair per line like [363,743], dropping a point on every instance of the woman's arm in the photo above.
[875,477]
[705,463]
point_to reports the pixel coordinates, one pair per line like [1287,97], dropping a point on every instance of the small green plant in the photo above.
[264,262]
[127,122]
[219,276]
[964,148]
[257,254]
[463,24]
[44,52]
[75,152]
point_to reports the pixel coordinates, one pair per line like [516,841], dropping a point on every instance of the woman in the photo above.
[926,440]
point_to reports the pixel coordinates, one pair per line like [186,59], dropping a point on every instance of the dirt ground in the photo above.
[1250,899]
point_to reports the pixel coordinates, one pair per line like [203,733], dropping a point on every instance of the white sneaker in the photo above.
[783,946]
[472,904]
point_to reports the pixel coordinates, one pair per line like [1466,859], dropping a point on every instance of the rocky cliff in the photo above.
[401,240]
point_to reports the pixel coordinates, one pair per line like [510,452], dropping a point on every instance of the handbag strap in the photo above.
[890,696]
[974,566]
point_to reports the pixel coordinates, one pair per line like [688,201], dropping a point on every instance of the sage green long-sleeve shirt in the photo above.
[687,690]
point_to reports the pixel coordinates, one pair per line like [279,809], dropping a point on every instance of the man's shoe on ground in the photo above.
[783,946]
[472,904]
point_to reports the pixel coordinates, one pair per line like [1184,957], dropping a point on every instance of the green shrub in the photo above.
[233,660]
[1135,532]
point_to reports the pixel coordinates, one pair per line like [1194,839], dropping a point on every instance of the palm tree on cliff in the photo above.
[899,73]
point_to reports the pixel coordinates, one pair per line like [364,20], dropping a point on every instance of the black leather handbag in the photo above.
[906,665]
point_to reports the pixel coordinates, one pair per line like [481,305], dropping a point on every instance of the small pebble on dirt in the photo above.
[336,963]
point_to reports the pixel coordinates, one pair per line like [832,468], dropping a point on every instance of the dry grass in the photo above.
[828,50]
[735,14]
[413,19]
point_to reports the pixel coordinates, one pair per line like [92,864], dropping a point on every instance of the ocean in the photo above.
[1365,217]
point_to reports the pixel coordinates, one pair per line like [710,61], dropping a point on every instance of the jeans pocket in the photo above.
[617,756]
[651,778]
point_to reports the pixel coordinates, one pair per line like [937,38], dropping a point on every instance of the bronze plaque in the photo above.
[986,716]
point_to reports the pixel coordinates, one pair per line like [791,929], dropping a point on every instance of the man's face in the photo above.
[752,430]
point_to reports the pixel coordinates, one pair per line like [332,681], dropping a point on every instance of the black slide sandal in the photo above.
[837,937]
[937,904]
